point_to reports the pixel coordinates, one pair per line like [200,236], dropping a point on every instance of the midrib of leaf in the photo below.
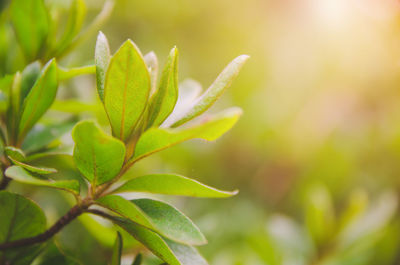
[121,134]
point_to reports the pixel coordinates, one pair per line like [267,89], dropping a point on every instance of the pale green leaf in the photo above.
[19,218]
[117,250]
[19,174]
[170,252]
[157,216]
[126,89]
[34,169]
[101,58]
[39,98]
[171,184]
[97,155]
[218,87]
[164,99]
[157,139]
[31,24]
[15,153]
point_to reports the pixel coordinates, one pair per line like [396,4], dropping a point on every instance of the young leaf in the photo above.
[117,250]
[34,169]
[31,24]
[19,174]
[157,139]
[157,216]
[15,153]
[19,218]
[98,156]
[39,98]
[170,252]
[163,101]
[138,259]
[172,185]
[101,60]
[126,89]
[28,79]
[222,82]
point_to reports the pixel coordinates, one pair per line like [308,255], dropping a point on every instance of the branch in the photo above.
[63,221]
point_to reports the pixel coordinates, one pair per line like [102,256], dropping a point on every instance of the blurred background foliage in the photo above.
[316,153]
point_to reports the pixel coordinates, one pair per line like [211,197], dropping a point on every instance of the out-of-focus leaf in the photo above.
[138,259]
[76,17]
[172,185]
[170,252]
[74,106]
[19,174]
[157,139]
[101,58]
[164,99]
[54,256]
[42,136]
[39,98]
[117,250]
[157,216]
[34,169]
[31,24]
[126,89]
[222,82]
[151,61]
[98,156]
[19,218]
[15,153]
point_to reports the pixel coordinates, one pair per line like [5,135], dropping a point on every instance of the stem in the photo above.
[65,74]
[73,213]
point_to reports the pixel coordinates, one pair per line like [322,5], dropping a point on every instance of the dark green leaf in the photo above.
[126,89]
[54,256]
[138,259]
[98,156]
[222,82]
[101,58]
[157,139]
[163,101]
[157,216]
[39,98]
[19,174]
[31,23]
[28,79]
[19,218]
[172,185]
[117,250]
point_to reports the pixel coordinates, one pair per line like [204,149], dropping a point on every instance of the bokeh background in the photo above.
[316,155]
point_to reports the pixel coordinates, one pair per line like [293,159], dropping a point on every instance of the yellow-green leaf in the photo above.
[126,89]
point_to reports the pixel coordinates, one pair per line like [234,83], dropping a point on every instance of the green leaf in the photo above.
[138,259]
[76,18]
[19,218]
[151,61]
[157,216]
[98,156]
[15,153]
[28,79]
[172,185]
[31,24]
[117,250]
[101,58]
[53,255]
[42,136]
[34,169]
[126,90]
[157,139]
[170,252]
[39,98]
[19,174]
[222,82]
[163,101]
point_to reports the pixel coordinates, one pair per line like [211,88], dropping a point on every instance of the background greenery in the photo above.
[316,153]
